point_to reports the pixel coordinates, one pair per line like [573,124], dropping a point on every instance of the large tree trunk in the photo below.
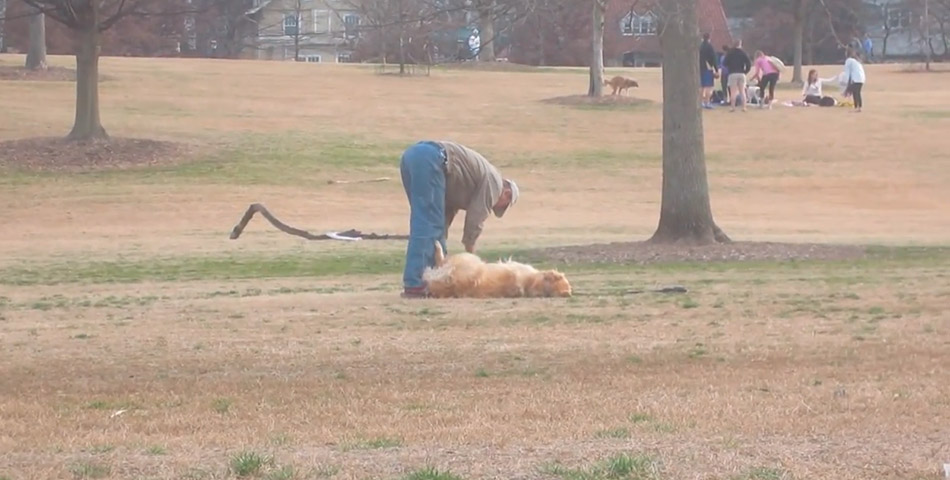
[801,14]
[486,25]
[36,55]
[685,212]
[88,125]
[596,88]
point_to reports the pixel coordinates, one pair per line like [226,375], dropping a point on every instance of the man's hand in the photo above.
[470,248]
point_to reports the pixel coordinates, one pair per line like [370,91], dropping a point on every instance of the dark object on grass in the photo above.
[666,289]
[347,235]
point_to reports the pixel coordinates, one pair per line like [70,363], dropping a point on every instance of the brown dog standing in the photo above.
[620,84]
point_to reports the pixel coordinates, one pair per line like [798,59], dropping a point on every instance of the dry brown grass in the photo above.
[815,371]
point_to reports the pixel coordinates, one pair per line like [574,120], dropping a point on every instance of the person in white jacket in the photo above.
[812,92]
[854,73]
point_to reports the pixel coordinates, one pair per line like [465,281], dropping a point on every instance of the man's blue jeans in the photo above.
[423,176]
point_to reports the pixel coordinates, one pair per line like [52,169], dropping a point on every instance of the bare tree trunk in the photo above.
[596,88]
[298,12]
[887,35]
[926,21]
[3,12]
[402,52]
[36,55]
[808,55]
[486,25]
[799,40]
[685,212]
[88,125]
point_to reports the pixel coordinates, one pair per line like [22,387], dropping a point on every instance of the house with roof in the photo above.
[630,31]
[315,31]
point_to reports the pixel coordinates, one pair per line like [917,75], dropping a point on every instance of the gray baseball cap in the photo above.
[514,197]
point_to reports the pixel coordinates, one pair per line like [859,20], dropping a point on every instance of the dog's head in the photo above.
[633,83]
[552,283]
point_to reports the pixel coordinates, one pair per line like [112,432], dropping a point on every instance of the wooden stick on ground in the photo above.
[283,227]
[372,180]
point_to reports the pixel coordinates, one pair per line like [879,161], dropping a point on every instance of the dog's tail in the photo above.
[439,254]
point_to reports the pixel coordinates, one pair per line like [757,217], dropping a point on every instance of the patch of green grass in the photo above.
[481,373]
[372,443]
[324,471]
[640,417]
[227,267]
[664,427]
[761,473]
[280,439]
[204,268]
[285,472]
[49,303]
[100,449]
[295,158]
[689,303]
[846,271]
[618,467]
[698,350]
[431,473]
[156,450]
[618,432]
[90,470]
[222,405]
[248,463]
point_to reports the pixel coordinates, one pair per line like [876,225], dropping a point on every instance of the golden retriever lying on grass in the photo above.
[466,275]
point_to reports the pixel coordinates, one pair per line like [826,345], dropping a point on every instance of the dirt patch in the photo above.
[60,154]
[645,253]
[606,101]
[51,74]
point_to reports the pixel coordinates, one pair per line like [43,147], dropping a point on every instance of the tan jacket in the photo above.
[471,184]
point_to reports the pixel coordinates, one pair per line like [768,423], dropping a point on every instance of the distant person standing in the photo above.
[868,46]
[707,69]
[738,64]
[854,74]
[724,73]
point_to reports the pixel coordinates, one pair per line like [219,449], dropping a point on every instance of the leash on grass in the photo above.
[663,289]
[348,235]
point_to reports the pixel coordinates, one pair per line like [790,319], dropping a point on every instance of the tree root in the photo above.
[347,235]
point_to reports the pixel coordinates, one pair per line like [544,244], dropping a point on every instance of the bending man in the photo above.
[441,178]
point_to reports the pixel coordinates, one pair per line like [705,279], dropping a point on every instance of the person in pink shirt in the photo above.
[767,75]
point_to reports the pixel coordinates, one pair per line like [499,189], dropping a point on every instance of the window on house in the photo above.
[898,17]
[291,24]
[637,25]
[351,25]
[644,24]
[312,58]
[344,58]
